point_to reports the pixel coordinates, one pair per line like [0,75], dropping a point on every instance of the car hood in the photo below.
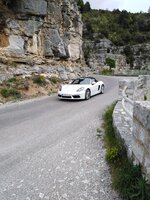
[72,88]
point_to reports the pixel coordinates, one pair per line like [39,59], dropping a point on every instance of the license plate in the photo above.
[65,95]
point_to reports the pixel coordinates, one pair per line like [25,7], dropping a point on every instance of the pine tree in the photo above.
[87,7]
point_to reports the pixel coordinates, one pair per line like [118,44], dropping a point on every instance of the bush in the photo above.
[113,154]
[15,93]
[107,72]
[54,80]
[131,184]
[6,92]
[110,62]
[12,80]
[40,80]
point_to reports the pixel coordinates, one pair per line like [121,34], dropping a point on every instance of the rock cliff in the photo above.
[41,29]
[40,45]
[129,60]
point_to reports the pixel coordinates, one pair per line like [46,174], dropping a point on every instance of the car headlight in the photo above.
[80,89]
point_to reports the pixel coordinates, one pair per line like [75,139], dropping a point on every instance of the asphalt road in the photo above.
[49,148]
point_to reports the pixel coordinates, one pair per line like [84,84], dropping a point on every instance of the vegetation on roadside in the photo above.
[55,80]
[127,178]
[7,92]
[19,87]
[40,80]
[10,88]
[106,72]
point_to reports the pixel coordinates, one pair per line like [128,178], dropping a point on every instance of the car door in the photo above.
[94,86]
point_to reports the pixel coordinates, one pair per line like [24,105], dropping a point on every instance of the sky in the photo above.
[129,5]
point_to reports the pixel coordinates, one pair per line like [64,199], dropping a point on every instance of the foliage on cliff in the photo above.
[121,27]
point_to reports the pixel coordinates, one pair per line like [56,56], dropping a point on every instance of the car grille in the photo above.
[66,96]
[69,97]
[76,96]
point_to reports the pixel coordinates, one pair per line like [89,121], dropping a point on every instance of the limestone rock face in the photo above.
[97,51]
[31,7]
[43,29]
[16,45]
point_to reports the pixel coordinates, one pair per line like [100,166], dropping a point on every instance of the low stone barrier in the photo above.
[135,131]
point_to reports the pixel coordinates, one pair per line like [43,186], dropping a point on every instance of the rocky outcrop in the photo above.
[139,55]
[62,71]
[42,29]
[97,51]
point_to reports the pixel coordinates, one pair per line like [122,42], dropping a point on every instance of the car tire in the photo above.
[87,94]
[102,89]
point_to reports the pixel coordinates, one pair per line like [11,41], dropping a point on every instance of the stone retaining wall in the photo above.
[135,131]
[141,135]
[142,88]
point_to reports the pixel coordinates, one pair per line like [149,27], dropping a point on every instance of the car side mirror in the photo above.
[93,83]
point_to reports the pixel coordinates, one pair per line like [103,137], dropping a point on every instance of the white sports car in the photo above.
[81,88]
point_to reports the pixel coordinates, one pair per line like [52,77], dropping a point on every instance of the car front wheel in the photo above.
[102,89]
[87,94]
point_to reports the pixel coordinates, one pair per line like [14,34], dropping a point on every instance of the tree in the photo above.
[80,3]
[87,7]
[110,62]
[149,10]
[124,19]
[129,55]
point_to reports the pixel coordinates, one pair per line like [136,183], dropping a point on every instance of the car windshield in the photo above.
[82,81]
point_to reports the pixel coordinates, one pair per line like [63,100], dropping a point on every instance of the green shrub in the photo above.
[107,72]
[12,80]
[5,92]
[40,80]
[110,62]
[113,154]
[130,182]
[109,137]
[15,93]
[54,80]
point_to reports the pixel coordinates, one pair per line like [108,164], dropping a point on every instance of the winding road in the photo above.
[49,148]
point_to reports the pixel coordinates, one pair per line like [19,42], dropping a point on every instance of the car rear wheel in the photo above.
[87,94]
[102,89]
